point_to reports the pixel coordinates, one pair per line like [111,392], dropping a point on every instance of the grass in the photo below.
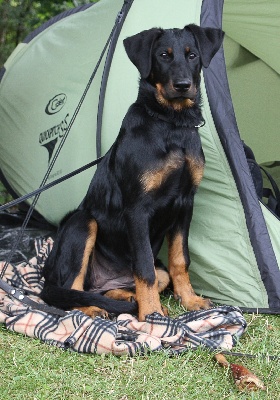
[4,196]
[32,370]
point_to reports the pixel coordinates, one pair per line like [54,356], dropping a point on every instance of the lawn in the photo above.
[33,370]
[4,196]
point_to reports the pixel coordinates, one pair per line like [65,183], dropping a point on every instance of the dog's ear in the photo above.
[139,49]
[208,40]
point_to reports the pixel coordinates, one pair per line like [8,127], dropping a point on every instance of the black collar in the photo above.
[171,120]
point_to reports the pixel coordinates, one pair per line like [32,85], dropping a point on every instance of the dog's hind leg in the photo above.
[66,267]
[78,283]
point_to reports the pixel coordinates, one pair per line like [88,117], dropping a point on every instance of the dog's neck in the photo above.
[188,117]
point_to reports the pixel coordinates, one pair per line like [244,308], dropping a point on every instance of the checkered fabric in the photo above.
[217,328]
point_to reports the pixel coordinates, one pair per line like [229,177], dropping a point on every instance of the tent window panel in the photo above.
[255,91]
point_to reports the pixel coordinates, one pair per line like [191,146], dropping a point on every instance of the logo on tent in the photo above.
[56,104]
[50,137]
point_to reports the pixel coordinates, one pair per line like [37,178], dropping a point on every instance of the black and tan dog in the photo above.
[143,189]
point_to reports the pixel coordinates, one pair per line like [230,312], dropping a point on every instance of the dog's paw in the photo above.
[92,312]
[100,312]
[195,303]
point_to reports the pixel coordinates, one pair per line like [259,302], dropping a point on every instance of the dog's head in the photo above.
[171,60]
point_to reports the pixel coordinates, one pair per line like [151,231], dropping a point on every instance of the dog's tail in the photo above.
[67,299]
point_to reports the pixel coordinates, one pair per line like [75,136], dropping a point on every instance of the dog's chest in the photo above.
[181,166]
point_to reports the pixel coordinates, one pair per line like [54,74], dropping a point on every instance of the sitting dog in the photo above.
[143,190]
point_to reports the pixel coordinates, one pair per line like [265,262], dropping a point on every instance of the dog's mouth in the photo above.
[175,96]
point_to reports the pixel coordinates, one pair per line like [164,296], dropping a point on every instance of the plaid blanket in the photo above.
[217,328]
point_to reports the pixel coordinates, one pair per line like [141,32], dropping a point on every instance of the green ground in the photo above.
[33,370]
[4,196]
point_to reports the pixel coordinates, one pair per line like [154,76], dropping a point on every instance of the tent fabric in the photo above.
[253,224]
[246,21]
[234,239]
[224,117]
[252,54]
[215,329]
[262,23]
[56,76]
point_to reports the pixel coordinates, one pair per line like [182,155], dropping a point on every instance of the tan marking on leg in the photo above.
[147,298]
[183,290]
[196,168]
[78,283]
[92,311]
[129,295]
[153,179]
[120,294]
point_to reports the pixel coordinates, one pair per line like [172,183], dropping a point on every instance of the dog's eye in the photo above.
[192,56]
[165,55]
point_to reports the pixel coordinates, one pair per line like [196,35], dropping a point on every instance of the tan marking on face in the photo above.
[176,104]
[160,93]
[153,179]
[196,168]
[169,50]
[183,290]
[78,283]
[180,105]
[147,297]
[188,49]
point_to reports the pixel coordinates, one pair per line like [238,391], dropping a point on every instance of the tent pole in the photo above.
[119,21]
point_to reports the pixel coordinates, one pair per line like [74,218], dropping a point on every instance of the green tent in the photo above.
[235,236]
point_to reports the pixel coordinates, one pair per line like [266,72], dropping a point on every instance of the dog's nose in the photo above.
[182,86]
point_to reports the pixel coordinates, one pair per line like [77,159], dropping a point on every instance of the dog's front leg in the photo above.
[146,282]
[178,269]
